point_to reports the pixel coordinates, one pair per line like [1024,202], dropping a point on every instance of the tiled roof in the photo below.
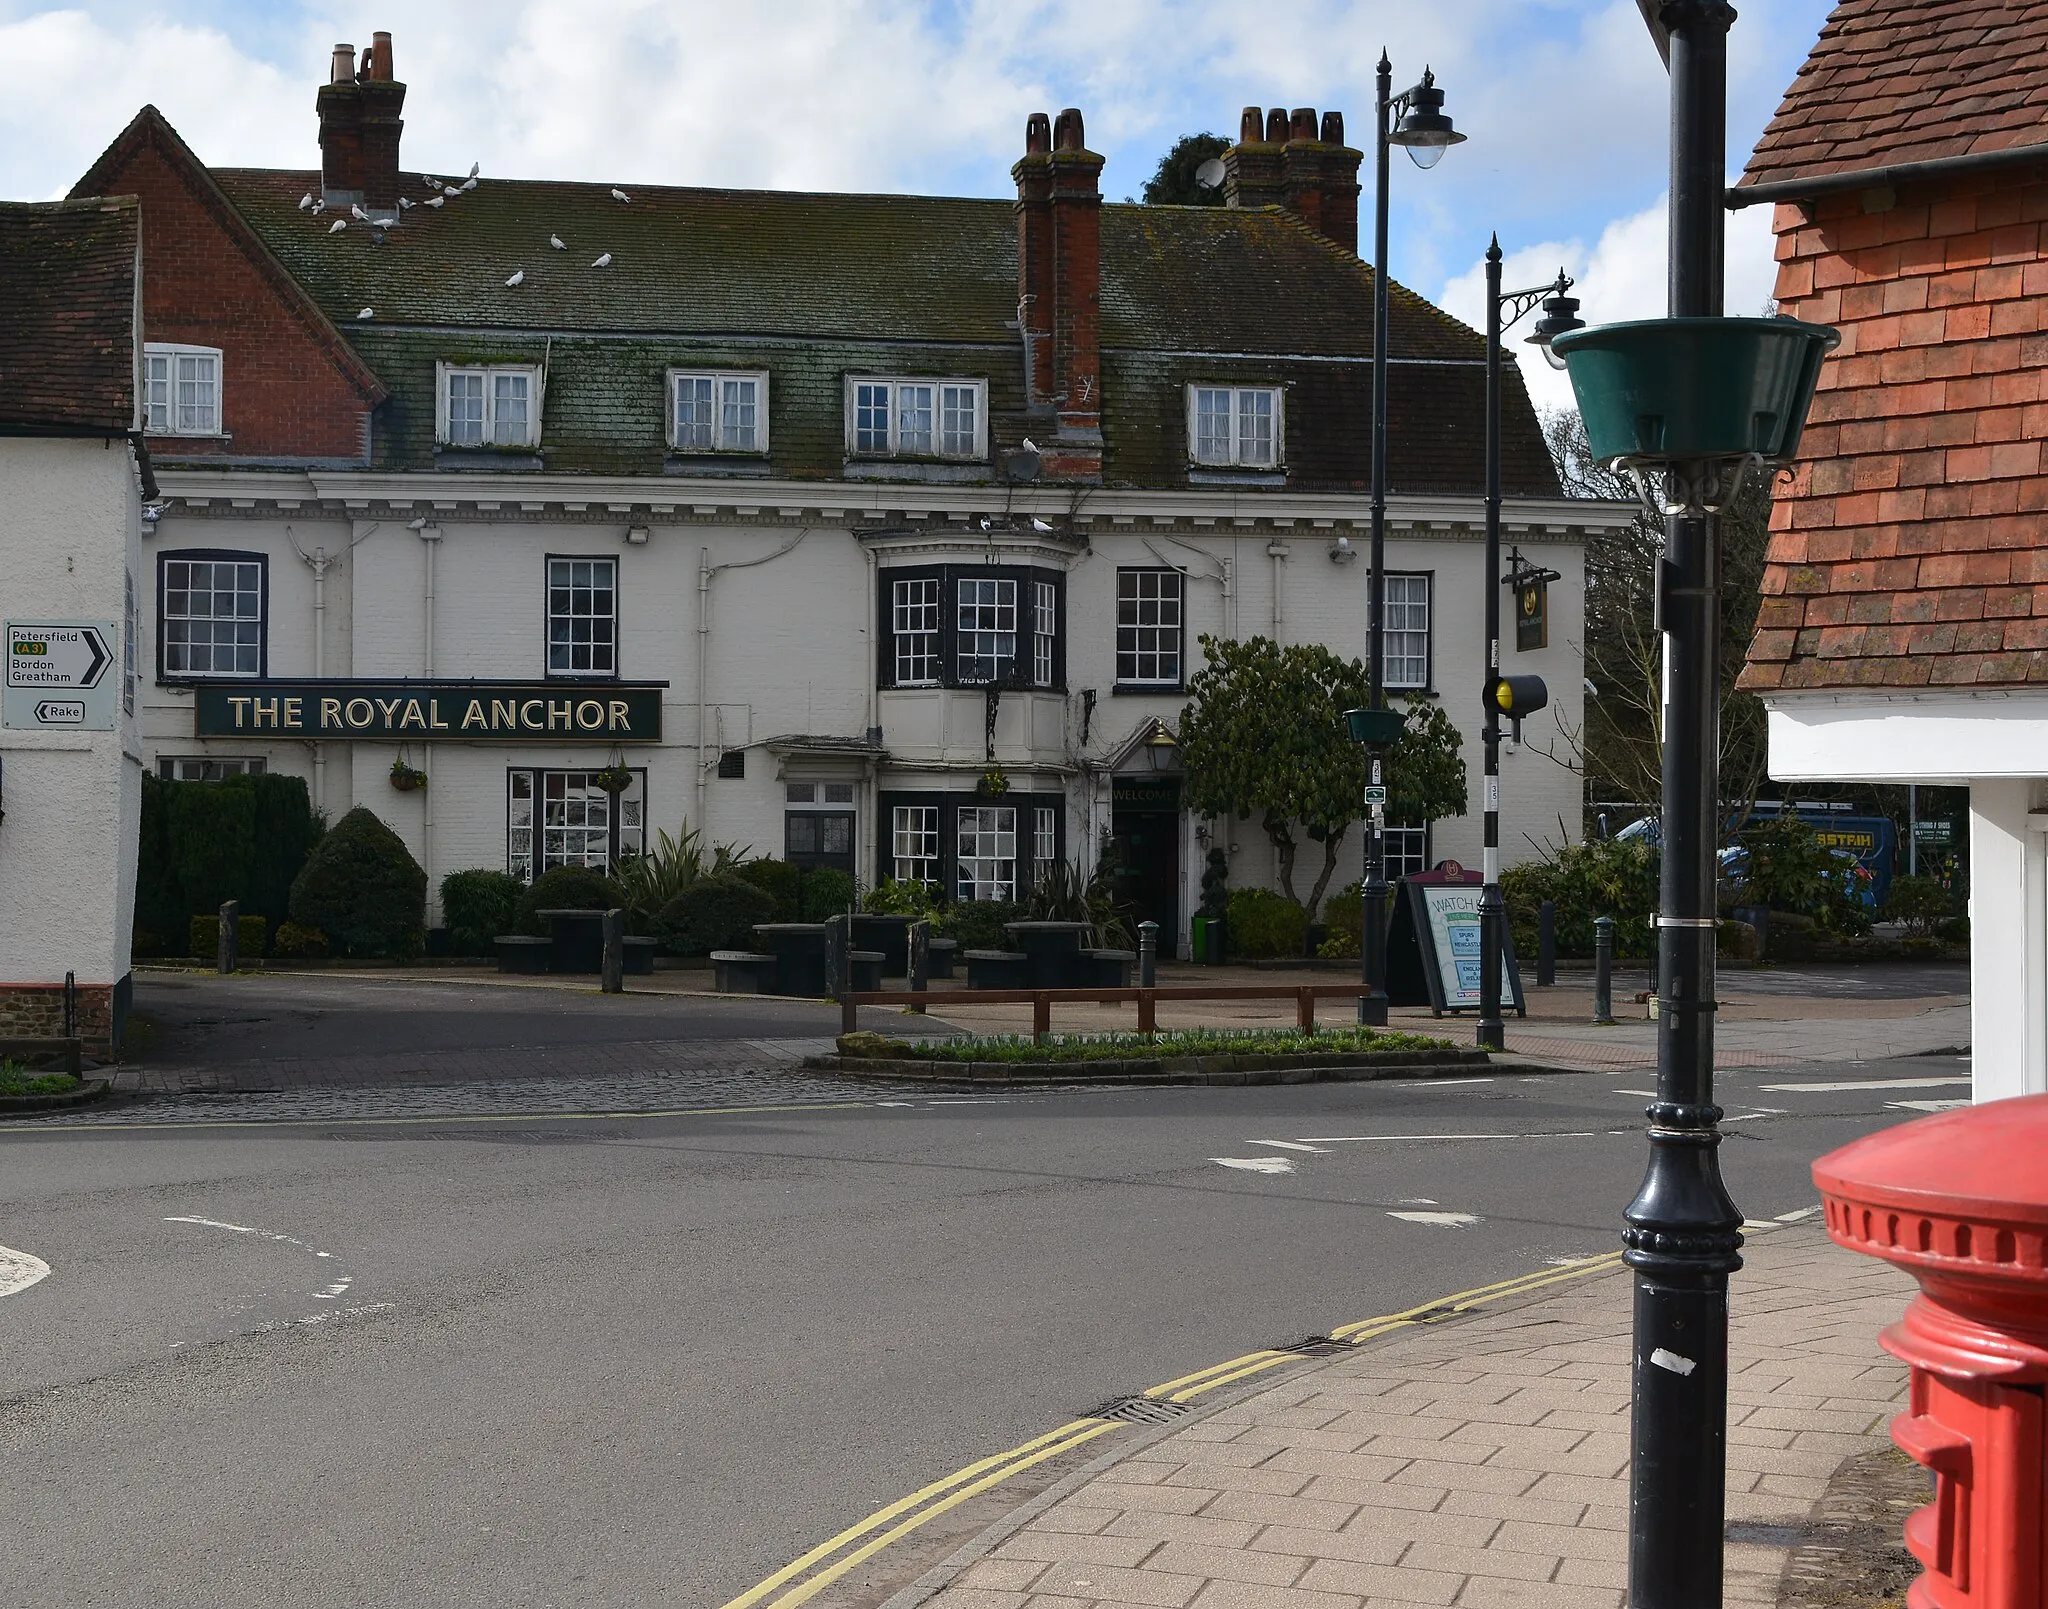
[68,314]
[1901,81]
[1910,547]
[813,286]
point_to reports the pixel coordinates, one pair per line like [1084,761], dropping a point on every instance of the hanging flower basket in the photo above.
[614,779]
[407,779]
[992,784]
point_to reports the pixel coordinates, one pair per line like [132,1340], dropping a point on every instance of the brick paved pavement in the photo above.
[1481,1465]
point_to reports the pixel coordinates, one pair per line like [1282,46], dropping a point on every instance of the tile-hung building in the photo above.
[792,517]
[1904,629]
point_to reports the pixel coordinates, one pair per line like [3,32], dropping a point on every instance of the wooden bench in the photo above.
[743,972]
[520,952]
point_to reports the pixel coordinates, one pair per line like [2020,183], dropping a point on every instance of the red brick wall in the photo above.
[36,1011]
[1910,543]
[282,394]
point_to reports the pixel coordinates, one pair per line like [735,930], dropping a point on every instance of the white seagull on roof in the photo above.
[319,207]
[407,201]
[518,278]
[305,201]
[357,213]
[558,243]
[475,168]
[436,201]
[368,312]
[431,182]
[468,183]
[337,226]
[603,262]
[620,195]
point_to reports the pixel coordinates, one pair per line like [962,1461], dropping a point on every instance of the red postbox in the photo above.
[1960,1201]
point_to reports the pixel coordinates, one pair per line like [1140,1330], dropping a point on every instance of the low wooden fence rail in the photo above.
[1304,996]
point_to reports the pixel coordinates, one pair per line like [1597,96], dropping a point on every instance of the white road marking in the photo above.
[1291,1145]
[18,1270]
[1649,1092]
[1926,1106]
[1255,1164]
[338,1288]
[1450,1083]
[1418,1201]
[1362,1139]
[1796,1214]
[1867,1083]
[1443,1220]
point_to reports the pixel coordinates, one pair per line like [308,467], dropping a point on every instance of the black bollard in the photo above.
[920,962]
[228,945]
[1603,969]
[612,970]
[1546,944]
[1148,955]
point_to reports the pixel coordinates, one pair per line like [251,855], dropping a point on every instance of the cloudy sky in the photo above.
[1563,101]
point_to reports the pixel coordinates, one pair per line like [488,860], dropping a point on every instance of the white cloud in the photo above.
[1621,277]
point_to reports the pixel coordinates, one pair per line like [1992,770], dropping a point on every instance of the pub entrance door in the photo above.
[1145,828]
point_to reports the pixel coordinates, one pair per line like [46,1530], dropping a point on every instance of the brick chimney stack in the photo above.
[359,129]
[1300,165]
[1059,289]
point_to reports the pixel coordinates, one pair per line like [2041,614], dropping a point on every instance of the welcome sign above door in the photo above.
[433,712]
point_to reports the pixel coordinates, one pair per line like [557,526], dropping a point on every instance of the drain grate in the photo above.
[1315,1346]
[1142,1411]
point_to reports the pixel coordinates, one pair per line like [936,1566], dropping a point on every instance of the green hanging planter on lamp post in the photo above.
[1666,390]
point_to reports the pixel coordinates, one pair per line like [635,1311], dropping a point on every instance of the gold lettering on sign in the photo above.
[238,704]
[434,715]
[265,710]
[622,719]
[590,715]
[294,713]
[474,716]
[330,713]
[504,714]
[529,719]
[360,721]
[388,707]
[558,715]
[414,715]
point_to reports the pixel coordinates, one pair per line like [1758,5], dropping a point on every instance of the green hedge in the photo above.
[782,882]
[477,906]
[1611,878]
[1264,924]
[202,843]
[718,912]
[978,923]
[827,892]
[567,888]
[204,937]
[362,888]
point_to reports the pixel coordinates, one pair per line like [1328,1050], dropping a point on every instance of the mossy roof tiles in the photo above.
[67,319]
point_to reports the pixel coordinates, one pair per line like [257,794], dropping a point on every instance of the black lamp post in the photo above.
[1426,133]
[1514,696]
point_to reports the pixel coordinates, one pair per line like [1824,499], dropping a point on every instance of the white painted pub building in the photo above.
[808,511]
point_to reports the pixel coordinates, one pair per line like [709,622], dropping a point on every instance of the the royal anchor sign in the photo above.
[433,712]
[62,675]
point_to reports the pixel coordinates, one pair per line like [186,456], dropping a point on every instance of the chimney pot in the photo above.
[1251,125]
[1333,128]
[342,70]
[1276,126]
[1303,124]
[1067,132]
[380,58]
[1037,134]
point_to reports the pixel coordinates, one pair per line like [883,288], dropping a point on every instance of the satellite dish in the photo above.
[1210,174]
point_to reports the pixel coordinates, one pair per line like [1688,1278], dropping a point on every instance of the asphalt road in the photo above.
[571,1361]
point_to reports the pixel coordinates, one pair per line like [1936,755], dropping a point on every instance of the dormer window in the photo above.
[1235,427]
[494,405]
[181,390]
[718,412]
[888,418]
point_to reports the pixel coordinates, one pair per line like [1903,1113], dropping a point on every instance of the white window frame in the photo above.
[1045,840]
[1234,455]
[914,844]
[968,640]
[914,600]
[171,354]
[724,437]
[1044,632]
[987,872]
[537,825]
[1138,640]
[947,392]
[536,391]
[1406,849]
[209,767]
[1406,611]
[172,643]
[595,648]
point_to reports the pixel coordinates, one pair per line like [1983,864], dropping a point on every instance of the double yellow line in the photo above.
[857,1544]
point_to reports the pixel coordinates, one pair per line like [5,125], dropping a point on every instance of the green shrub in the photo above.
[1954,930]
[160,909]
[245,838]
[567,888]
[1264,924]
[477,906]
[1919,902]
[1215,885]
[204,936]
[1616,878]
[283,830]
[362,888]
[305,943]
[827,892]
[782,882]
[212,838]
[978,923]
[1343,922]
[891,898]
[718,912]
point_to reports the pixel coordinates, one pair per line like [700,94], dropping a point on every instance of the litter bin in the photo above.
[1960,1201]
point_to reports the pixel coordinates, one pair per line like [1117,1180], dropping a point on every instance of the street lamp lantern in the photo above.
[1560,317]
[1425,133]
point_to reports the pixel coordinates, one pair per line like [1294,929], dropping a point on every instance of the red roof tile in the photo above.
[68,320]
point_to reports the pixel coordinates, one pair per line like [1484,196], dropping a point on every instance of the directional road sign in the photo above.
[62,675]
